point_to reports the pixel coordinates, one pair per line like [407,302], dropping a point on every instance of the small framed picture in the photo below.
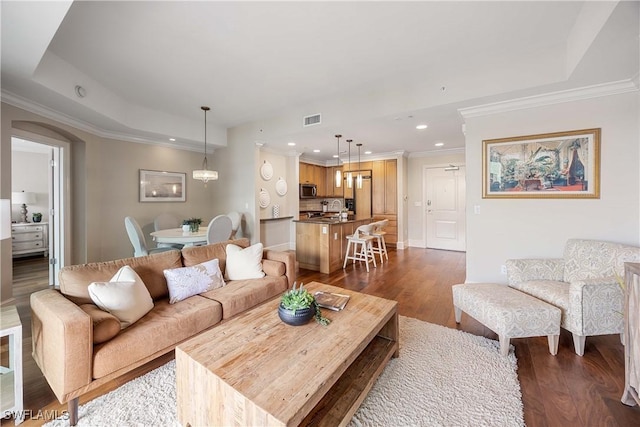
[162,186]
[559,165]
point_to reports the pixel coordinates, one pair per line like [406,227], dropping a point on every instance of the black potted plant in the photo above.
[37,217]
[298,306]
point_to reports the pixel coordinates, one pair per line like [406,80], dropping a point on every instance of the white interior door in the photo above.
[445,208]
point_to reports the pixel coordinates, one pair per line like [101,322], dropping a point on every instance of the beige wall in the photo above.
[516,228]
[104,188]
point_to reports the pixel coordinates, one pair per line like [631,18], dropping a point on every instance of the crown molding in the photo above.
[442,152]
[578,94]
[46,112]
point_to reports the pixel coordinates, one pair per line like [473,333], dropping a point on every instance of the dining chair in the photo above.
[236,220]
[219,229]
[137,239]
[165,221]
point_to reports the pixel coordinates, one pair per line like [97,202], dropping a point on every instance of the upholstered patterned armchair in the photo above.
[582,284]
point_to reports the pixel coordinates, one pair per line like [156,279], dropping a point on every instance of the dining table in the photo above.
[176,235]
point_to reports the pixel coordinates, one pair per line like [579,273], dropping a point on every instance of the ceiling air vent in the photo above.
[311,120]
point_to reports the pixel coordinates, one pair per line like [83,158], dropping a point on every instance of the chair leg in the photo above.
[384,249]
[458,313]
[346,254]
[553,343]
[578,343]
[373,254]
[504,345]
[364,256]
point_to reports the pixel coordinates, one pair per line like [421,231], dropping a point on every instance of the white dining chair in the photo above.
[219,229]
[137,239]
[165,221]
[236,220]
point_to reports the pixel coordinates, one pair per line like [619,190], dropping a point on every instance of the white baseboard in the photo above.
[417,243]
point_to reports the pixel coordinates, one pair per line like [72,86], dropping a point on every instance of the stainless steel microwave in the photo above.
[308,191]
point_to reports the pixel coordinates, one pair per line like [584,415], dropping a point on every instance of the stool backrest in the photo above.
[363,229]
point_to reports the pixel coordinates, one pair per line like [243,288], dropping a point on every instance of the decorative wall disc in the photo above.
[281,187]
[264,198]
[266,170]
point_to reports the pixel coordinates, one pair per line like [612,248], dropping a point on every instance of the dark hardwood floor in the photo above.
[563,390]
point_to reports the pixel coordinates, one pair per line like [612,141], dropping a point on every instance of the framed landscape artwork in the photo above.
[551,165]
[160,186]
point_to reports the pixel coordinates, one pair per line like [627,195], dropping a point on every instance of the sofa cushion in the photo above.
[185,282]
[75,279]
[163,327]
[240,295]
[124,296]
[273,268]
[197,254]
[244,263]
[551,291]
[105,325]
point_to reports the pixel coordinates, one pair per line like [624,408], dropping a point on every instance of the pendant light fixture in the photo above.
[349,176]
[338,173]
[359,177]
[204,174]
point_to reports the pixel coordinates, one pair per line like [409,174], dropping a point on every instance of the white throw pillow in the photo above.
[125,296]
[188,281]
[244,263]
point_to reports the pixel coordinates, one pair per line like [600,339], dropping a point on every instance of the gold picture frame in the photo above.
[557,165]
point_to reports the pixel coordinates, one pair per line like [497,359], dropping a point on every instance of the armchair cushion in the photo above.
[522,270]
[589,259]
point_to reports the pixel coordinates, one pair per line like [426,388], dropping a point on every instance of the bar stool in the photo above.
[362,247]
[378,233]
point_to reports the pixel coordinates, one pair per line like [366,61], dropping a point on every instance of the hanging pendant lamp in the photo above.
[338,173]
[204,174]
[349,176]
[359,177]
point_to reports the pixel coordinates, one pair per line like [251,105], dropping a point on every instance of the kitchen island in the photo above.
[322,242]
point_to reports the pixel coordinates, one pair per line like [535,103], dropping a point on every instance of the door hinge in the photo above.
[53,261]
[52,163]
[52,212]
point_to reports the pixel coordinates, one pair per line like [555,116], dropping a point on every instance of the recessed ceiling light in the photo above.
[291,144]
[316,151]
[172,139]
[421,127]
[439,144]
[335,156]
[367,152]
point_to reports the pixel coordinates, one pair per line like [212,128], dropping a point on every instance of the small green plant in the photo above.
[37,217]
[299,298]
[193,223]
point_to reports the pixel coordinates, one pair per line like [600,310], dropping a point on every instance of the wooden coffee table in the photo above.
[255,370]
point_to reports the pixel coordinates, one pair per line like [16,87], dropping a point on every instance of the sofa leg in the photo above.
[72,408]
[578,343]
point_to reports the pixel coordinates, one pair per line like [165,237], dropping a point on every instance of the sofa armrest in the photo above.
[524,270]
[62,341]
[286,257]
[599,303]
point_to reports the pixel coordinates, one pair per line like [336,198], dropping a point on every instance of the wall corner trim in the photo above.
[577,94]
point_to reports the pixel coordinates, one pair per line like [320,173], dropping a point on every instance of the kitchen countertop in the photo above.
[325,220]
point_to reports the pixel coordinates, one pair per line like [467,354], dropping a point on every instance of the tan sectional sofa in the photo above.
[63,332]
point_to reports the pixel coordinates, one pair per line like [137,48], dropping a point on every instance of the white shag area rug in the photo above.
[443,377]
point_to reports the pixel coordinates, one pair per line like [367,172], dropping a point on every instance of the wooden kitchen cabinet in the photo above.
[319,179]
[306,173]
[384,187]
[332,189]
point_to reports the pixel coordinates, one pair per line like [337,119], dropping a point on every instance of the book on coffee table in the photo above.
[331,300]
